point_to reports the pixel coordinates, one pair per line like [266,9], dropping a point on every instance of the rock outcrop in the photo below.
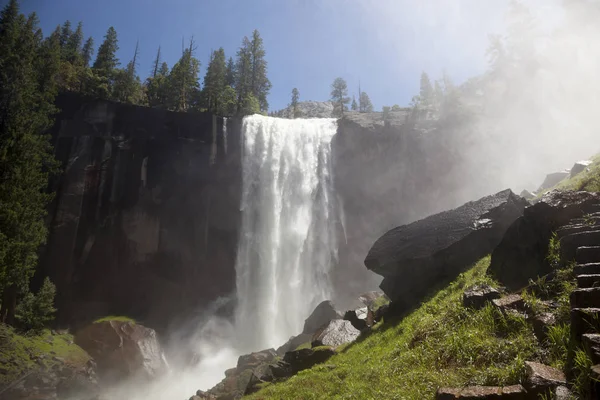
[321,315]
[336,333]
[122,350]
[522,253]
[414,257]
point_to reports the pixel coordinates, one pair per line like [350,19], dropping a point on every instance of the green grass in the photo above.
[20,353]
[585,180]
[119,318]
[439,344]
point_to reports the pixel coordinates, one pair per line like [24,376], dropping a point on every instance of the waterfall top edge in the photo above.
[260,116]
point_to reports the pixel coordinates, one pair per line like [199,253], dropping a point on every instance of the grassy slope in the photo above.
[20,353]
[439,344]
[586,180]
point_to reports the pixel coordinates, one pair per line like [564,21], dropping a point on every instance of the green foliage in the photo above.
[106,60]
[184,89]
[120,318]
[251,74]
[439,344]
[557,343]
[34,312]
[426,94]
[553,256]
[588,180]
[354,106]
[27,90]
[339,96]
[364,103]
[214,81]
[250,105]
[294,104]
[582,366]
[21,353]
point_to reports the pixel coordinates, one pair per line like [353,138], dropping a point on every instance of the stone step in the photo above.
[588,281]
[577,228]
[585,298]
[584,320]
[588,254]
[591,344]
[570,243]
[587,269]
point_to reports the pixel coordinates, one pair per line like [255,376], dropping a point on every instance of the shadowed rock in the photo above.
[580,166]
[305,358]
[322,314]
[477,296]
[542,378]
[412,258]
[553,179]
[591,344]
[521,255]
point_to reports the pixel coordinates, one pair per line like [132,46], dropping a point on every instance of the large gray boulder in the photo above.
[521,255]
[322,314]
[336,333]
[416,257]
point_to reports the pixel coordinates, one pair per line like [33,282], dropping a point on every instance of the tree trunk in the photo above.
[9,303]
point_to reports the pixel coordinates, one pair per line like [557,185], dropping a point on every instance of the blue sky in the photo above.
[383,43]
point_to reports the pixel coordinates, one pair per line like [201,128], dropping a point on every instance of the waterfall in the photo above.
[287,243]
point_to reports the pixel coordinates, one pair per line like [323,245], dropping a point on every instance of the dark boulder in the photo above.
[580,166]
[541,323]
[521,255]
[253,360]
[294,342]
[478,296]
[322,314]
[336,333]
[354,317]
[526,194]
[306,358]
[543,379]
[415,257]
[553,179]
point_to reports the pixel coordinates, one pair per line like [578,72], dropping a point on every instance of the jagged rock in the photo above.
[521,254]
[595,382]
[336,333]
[587,255]
[477,296]
[570,243]
[414,257]
[553,179]
[281,369]
[122,349]
[541,323]
[305,358]
[587,269]
[322,314]
[352,316]
[588,281]
[584,320]
[511,303]
[515,392]
[253,360]
[527,195]
[585,298]
[542,378]
[563,393]
[580,166]
[294,342]
[591,343]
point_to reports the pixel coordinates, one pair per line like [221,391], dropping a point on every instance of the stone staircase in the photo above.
[580,241]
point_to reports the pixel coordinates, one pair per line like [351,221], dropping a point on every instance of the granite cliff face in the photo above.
[146,212]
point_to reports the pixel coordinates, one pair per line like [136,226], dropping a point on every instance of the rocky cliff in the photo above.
[145,217]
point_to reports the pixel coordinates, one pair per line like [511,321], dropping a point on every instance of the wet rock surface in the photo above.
[412,258]
[122,350]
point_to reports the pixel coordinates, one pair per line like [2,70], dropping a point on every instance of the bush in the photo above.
[34,312]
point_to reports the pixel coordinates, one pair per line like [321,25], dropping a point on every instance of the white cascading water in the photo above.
[287,246]
[288,240]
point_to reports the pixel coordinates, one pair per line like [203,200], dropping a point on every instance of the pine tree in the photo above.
[260,85]
[354,106]
[72,50]
[230,74]
[65,34]
[426,91]
[183,81]
[157,87]
[364,103]
[27,90]
[215,81]
[156,66]
[339,96]
[294,103]
[36,311]
[104,67]
[127,87]
[88,51]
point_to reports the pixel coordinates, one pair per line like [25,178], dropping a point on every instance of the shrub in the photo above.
[34,312]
